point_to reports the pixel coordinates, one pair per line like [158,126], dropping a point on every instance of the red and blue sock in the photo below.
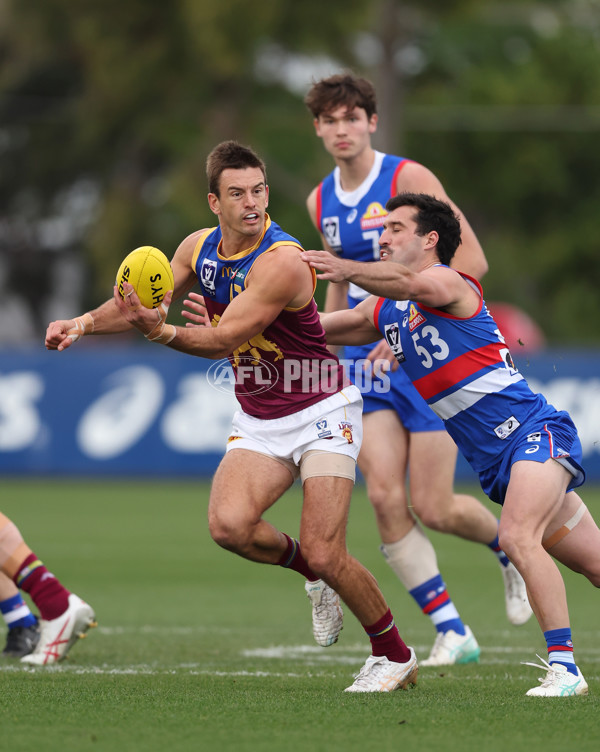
[16,612]
[433,600]
[502,557]
[560,648]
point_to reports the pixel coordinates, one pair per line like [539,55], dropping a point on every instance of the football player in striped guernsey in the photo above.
[526,452]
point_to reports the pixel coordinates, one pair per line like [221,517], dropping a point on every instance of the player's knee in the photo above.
[437,511]
[227,533]
[323,559]
[432,517]
[513,542]
[385,496]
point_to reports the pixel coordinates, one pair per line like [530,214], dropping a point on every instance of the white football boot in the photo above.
[518,609]
[450,648]
[58,636]
[382,675]
[327,614]
[558,682]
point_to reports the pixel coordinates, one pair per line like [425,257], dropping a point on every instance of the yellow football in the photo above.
[150,273]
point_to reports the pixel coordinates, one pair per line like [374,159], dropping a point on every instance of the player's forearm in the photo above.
[108,319]
[202,342]
[345,328]
[386,280]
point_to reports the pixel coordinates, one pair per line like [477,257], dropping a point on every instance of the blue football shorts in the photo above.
[537,440]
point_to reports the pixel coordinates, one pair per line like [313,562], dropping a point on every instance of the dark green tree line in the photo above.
[107,112]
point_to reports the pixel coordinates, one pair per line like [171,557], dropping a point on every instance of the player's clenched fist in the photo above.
[62,334]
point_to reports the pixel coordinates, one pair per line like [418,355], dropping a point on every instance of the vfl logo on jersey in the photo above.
[415,318]
[373,218]
[351,217]
[392,337]
[331,230]
[322,426]
[505,429]
[208,274]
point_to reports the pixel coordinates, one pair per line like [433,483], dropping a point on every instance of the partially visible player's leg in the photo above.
[407,550]
[535,496]
[432,462]
[64,616]
[577,538]
[383,461]
[244,486]
[23,628]
[392,664]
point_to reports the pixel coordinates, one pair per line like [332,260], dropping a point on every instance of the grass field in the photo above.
[197,649]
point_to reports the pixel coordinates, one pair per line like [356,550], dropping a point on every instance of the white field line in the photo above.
[188,670]
[298,651]
[313,651]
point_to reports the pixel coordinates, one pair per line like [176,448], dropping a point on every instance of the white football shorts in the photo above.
[332,425]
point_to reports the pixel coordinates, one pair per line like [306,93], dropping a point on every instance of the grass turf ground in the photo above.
[197,649]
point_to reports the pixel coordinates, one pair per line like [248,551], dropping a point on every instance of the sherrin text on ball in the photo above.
[149,272]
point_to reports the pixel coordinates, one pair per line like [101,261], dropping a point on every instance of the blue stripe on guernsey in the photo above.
[26,571]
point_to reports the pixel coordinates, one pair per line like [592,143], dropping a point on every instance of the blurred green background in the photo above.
[108,110]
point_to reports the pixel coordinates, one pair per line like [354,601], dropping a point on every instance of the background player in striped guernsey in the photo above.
[403,438]
[262,316]
[526,452]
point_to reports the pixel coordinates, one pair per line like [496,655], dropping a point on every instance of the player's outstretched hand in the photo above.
[330,267]
[62,334]
[197,313]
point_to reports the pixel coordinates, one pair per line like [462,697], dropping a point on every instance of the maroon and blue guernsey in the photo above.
[286,367]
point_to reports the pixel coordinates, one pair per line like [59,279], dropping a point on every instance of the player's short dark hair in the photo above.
[233,156]
[432,214]
[342,89]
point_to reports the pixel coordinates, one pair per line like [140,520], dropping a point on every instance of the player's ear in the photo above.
[432,240]
[317,127]
[266,196]
[213,203]
[373,120]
